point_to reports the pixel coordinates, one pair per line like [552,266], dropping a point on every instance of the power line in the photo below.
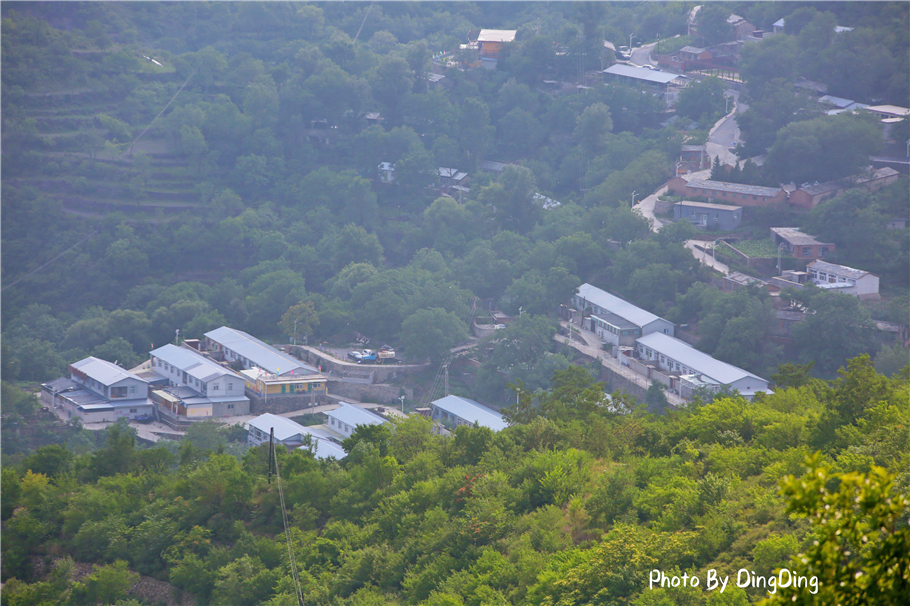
[363,22]
[298,592]
[49,262]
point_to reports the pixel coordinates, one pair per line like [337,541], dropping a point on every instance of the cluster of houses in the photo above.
[325,440]
[217,377]
[646,343]
[806,196]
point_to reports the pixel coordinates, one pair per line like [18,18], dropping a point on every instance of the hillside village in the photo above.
[499,295]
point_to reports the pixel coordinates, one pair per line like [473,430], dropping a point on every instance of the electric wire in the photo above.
[292,560]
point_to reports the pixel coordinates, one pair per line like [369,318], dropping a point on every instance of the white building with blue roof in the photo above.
[203,387]
[347,417]
[463,411]
[250,352]
[293,435]
[97,391]
[615,320]
[696,368]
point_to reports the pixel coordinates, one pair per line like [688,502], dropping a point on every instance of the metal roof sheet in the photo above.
[106,373]
[698,361]
[739,188]
[257,352]
[795,237]
[640,73]
[837,270]
[708,205]
[193,364]
[285,429]
[615,305]
[471,411]
[354,415]
[496,35]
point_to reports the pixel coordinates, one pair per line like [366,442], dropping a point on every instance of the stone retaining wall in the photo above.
[377,392]
[285,403]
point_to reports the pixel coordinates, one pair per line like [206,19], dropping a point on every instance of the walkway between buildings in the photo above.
[591,347]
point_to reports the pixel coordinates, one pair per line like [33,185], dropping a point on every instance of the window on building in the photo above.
[230,407]
[230,387]
[215,387]
[716,216]
[133,410]
[807,250]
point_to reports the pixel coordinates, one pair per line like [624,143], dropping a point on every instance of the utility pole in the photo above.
[271,451]
[634,193]
[402,404]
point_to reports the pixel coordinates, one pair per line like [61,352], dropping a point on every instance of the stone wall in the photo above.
[377,392]
[336,369]
[617,382]
[286,403]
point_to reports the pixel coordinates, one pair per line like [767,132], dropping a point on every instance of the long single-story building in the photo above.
[463,411]
[841,278]
[347,417]
[237,346]
[616,320]
[696,368]
[705,214]
[735,193]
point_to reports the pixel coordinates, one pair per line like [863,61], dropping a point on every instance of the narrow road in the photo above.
[591,347]
[705,257]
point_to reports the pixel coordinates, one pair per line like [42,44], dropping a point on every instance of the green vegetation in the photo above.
[758,249]
[182,166]
[576,499]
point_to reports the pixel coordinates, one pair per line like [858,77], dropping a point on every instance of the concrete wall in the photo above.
[286,403]
[378,392]
[335,369]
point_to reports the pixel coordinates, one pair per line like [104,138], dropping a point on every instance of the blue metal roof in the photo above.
[193,364]
[698,361]
[354,415]
[106,373]
[622,308]
[258,353]
[472,412]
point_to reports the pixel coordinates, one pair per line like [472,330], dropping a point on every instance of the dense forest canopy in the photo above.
[182,166]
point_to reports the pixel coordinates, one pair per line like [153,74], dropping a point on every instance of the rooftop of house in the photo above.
[284,428]
[262,355]
[193,364]
[693,148]
[891,110]
[354,415]
[838,270]
[743,279]
[471,411]
[615,305]
[692,49]
[816,189]
[496,35]
[737,188]
[106,373]
[696,360]
[794,237]
[640,73]
[836,101]
[615,320]
[324,448]
[708,205]
[491,166]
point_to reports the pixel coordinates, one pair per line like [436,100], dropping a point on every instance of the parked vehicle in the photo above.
[144,418]
[367,355]
[356,356]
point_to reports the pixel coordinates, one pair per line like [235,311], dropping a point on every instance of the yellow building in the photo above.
[265,384]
